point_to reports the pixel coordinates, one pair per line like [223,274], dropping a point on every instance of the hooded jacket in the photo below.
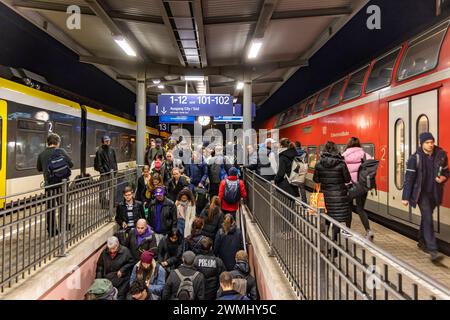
[147,244]
[242,270]
[415,174]
[353,157]
[211,267]
[284,169]
[231,295]
[226,246]
[231,206]
[332,174]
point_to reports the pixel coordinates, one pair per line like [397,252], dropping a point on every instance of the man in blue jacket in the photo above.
[197,171]
[426,173]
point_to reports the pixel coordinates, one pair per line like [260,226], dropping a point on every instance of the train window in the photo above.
[30,141]
[321,100]
[422,54]
[381,74]
[65,132]
[281,119]
[354,85]
[309,106]
[300,109]
[98,136]
[423,125]
[133,148]
[290,115]
[335,94]
[312,156]
[126,147]
[307,129]
[115,139]
[399,153]
[369,148]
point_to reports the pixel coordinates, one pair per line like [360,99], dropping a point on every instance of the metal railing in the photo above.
[321,263]
[39,227]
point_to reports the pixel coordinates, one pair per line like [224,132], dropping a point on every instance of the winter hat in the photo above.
[425,136]
[188,258]
[160,191]
[147,257]
[233,171]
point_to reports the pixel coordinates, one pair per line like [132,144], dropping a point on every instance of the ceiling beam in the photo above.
[267,10]
[198,16]
[170,31]
[283,15]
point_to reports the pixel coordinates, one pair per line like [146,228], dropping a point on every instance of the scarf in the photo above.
[141,237]
[182,208]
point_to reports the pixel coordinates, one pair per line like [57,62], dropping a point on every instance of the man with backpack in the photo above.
[185,282]
[55,164]
[231,191]
[228,293]
[426,173]
[105,161]
[217,170]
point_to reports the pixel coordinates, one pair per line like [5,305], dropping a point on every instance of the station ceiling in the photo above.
[197,37]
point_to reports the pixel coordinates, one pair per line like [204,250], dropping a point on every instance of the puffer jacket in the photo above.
[353,157]
[210,228]
[332,174]
[284,169]
[211,267]
[226,246]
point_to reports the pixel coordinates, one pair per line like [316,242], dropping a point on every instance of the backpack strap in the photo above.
[178,273]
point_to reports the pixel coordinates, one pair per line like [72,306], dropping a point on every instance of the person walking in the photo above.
[426,172]
[286,153]
[231,191]
[228,241]
[105,161]
[186,211]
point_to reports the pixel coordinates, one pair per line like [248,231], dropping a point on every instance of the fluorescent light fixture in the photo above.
[254,49]
[194,78]
[123,43]
[156,81]
[161,86]
[240,85]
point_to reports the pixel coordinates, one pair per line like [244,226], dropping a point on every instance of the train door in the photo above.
[408,118]
[3,145]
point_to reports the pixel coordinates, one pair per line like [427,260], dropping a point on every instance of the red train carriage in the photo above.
[387,103]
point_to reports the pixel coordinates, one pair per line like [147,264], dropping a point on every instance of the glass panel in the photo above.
[321,100]
[369,148]
[98,136]
[28,146]
[312,156]
[354,86]
[423,125]
[290,115]
[309,106]
[399,154]
[65,132]
[281,119]
[300,109]
[115,139]
[422,54]
[335,94]
[126,147]
[381,74]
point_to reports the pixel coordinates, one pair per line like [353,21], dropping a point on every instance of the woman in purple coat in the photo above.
[353,155]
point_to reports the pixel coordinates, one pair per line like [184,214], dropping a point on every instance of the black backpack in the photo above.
[232,193]
[58,167]
[367,173]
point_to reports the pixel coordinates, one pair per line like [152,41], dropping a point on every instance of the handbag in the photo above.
[317,199]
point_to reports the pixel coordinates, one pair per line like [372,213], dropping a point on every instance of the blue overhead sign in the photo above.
[238,110]
[193,105]
[177,119]
[228,119]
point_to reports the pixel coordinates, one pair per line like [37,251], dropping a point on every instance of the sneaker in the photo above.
[436,256]
[370,235]
[422,247]
[345,233]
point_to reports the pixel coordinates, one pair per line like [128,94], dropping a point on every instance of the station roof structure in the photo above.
[211,38]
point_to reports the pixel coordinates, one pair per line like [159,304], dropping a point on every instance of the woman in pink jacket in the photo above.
[353,155]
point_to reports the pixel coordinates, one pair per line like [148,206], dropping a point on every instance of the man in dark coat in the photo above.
[176,184]
[242,271]
[187,269]
[129,211]
[162,214]
[141,239]
[197,171]
[210,266]
[157,150]
[227,291]
[426,173]
[115,264]
[105,161]
[287,153]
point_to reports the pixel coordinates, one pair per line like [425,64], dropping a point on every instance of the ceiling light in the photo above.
[254,49]
[194,78]
[156,81]
[161,86]
[234,100]
[123,43]
[240,85]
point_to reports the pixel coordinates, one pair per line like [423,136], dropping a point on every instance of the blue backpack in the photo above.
[58,167]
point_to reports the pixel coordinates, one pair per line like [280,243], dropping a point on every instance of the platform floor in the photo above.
[406,250]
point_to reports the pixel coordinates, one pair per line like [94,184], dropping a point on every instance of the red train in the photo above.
[387,103]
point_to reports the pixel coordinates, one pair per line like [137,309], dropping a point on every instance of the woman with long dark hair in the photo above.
[170,249]
[332,174]
[192,242]
[228,242]
[213,217]
[353,155]
[185,211]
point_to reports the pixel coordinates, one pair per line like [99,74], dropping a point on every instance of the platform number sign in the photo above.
[164,127]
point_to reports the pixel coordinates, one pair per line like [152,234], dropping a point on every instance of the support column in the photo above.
[141,101]
[247,116]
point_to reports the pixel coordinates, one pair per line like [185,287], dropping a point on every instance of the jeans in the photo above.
[51,205]
[427,237]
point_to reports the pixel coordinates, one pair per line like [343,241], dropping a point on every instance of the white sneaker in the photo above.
[345,233]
